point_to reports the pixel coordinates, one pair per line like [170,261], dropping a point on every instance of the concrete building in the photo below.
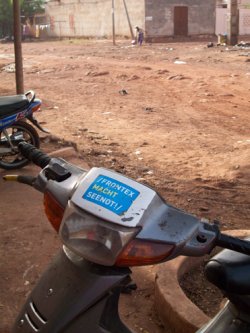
[166,18]
[222,17]
[160,19]
[93,18]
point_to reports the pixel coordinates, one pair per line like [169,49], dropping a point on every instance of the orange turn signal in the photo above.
[36,107]
[140,252]
[53,210]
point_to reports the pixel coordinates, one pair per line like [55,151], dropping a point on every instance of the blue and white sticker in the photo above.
[111,194]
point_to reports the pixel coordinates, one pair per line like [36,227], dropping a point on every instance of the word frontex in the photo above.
[111,194]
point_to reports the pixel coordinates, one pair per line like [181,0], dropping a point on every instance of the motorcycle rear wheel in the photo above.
[10,157]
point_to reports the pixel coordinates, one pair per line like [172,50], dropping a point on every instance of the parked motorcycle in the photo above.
[108,223]
[13,129]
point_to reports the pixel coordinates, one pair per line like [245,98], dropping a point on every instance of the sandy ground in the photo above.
[174,116]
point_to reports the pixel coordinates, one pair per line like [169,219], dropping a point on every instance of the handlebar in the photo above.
[228,242]
[60,172]
[33,154]
[233,243]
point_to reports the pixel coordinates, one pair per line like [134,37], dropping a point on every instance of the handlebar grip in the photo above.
[232,243]
[33,154]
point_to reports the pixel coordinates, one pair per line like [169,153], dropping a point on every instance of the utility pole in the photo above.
[113,21]
[233,22]
[18,47]
[129,22]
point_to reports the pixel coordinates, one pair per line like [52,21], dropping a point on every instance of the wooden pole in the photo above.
[18,47]
[113,21]
[233,22]
[129,22]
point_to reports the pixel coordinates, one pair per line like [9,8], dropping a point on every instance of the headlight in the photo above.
[94,239]
[113,220]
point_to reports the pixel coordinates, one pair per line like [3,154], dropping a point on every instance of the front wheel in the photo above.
[10,137]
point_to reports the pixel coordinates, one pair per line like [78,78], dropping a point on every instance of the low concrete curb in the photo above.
[172,305]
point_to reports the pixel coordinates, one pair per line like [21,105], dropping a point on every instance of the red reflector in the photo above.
[140,252]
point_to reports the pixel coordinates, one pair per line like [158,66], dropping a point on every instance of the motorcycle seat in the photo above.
[12,104]
[230,271]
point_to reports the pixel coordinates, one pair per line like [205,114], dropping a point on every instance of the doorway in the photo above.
[181,21]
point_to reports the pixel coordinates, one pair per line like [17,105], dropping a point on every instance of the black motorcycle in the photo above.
[14,127]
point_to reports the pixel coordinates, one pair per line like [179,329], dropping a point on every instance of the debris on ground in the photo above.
[179,62]
[211,44]
[149,109]
[11,68]
[134,77]
[97,73]
[162,71]
[178,77]
[243,45]
[123,92]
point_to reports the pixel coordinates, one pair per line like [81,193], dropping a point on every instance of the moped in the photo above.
[108,223]
[13,128]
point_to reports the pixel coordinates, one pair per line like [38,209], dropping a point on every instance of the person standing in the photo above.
[139,35]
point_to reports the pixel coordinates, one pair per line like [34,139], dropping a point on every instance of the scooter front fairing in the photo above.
[74,296]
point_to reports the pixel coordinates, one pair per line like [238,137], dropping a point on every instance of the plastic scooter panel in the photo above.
[226,321]
[67,291]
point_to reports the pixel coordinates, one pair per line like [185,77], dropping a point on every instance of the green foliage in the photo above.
[28,9]
[31,7]
[5,17]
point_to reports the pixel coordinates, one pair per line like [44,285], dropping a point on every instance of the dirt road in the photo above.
[182,127]
[174,116]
